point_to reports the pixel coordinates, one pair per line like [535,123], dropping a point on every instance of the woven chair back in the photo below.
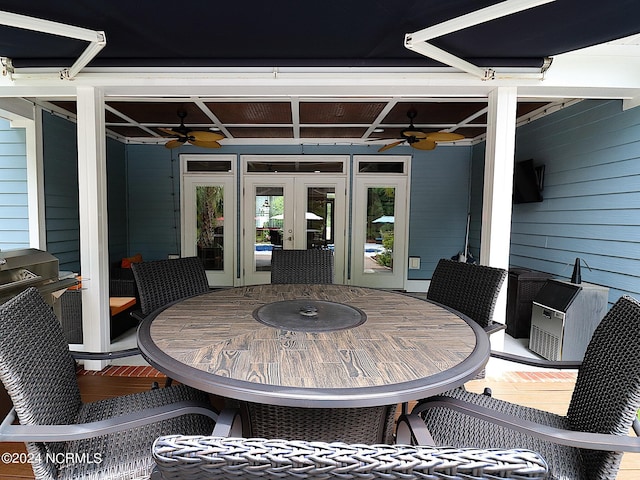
[468,288]
[607,392]
[302,266]
[36,366]
[161,282]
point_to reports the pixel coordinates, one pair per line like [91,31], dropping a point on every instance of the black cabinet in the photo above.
[522,287]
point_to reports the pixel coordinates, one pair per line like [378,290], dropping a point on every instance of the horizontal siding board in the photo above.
[60,236]
[622,249]
[11,161]
[602,171]
[9,224]
[14,149]
[13,199]
[12,135]
[599,262]
[20,211]
[585,217]
[14,236]
[611,232]
[14,174]
[11,187]
[602,201]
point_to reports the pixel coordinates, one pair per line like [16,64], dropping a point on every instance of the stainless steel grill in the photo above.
[30,267]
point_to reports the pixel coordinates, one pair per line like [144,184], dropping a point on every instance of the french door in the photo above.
[292,212]
[208,224]
[379,231]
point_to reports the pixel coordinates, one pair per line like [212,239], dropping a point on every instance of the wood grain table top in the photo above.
[407,348]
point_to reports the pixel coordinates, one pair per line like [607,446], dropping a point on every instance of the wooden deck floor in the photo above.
[550,391]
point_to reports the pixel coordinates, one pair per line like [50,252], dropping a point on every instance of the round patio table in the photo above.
[327,346]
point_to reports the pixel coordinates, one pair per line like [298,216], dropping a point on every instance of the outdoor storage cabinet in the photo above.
[522,287]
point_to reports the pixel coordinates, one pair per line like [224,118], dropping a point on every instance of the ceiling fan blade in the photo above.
[175,143]
[203,136]
[201,143]
[390,145]
[168,131]
[425,144]
[414,133]
[444,136]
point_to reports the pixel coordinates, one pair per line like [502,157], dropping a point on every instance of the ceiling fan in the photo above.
[194,137]
[419,139]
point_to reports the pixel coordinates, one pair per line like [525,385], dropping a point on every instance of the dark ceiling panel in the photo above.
[434,112]
[332,132]
[131,132]
[162,113]
[257,132]
[340,112]
[251,112]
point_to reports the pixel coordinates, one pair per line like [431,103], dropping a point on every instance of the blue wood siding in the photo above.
[14,209]
[591,206]
[61,190]
[154,201]
[117,201]
[61,193]
[439,206]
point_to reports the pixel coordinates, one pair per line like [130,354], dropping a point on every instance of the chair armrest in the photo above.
[137,314]
[411,430]
[105,355]
[572,438]
[537,362]
[494,327]
[65,433]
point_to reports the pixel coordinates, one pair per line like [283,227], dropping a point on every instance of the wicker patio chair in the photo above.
[161,282]
[196,457]
[587,443]
[470,289]
[115,435]
[302,266]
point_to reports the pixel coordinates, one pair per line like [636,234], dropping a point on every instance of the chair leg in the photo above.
[168,382]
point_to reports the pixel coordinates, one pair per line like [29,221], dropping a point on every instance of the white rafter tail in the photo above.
[419,41]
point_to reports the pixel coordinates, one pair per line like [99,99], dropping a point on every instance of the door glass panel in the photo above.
[320,217]
[269,203]
[378,248]
[210,226]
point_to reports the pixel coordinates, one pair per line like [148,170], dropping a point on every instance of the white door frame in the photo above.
[189,182]
[397,278]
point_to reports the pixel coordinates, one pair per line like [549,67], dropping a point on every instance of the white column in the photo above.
[92,190]
[498,186]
